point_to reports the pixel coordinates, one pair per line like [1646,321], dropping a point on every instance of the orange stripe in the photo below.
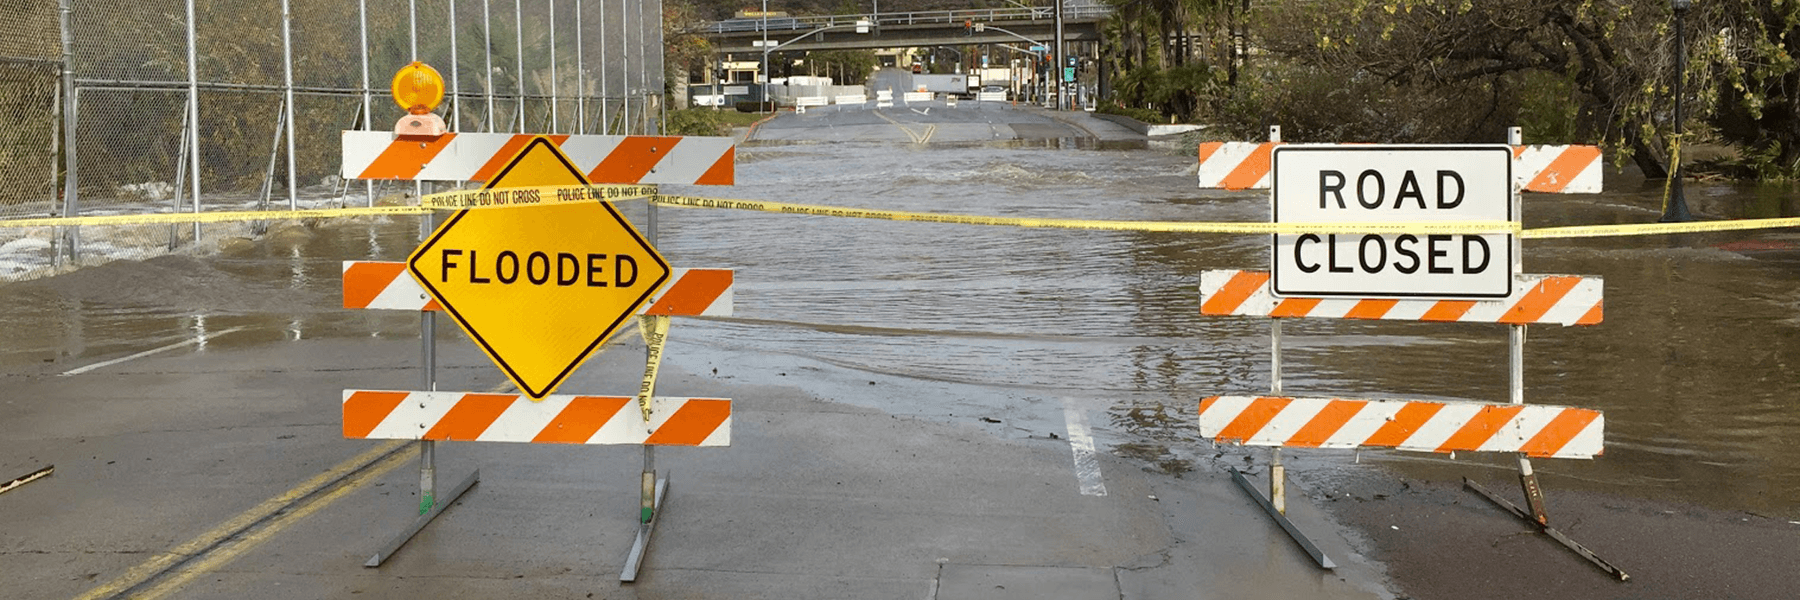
[433,306]
[1327,423]
[1251,170]
[1448,310]
[1207,403]
[1556,176]
[1409,419]
[1539,300]
[1370,309]
[472,415]
[1255,416]
[363,281]
[580,419]
[1559,432]
[1235,291]
[723,172]
[689,426]
[693,293]
[1518,151]
[1207,149]
[501,157]
[1593,315]
[1295,307]
[404,158]
[364,410]
[1481,427]
[632,159]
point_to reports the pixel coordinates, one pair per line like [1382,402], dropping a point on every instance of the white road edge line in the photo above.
[1081,442]
[108,363]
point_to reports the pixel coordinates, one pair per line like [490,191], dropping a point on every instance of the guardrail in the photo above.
[927,17]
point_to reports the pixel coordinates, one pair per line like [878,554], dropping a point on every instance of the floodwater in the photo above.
[1004,327]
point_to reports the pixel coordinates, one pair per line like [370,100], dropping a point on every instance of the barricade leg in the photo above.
[1276,503]
[650,489]
[429,505]
[1528,483]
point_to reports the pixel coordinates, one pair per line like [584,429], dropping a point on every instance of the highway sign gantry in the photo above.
[1388,184]
[539,288]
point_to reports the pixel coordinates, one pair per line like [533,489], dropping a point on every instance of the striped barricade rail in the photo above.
[850,99]
[557,419]
[911,97]
[1536,299]
[811,101]
[990,96]
[1538,431]
[480,156]
[381,285]
[1549,169]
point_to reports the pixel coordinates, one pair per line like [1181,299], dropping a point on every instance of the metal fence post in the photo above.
[580,75]
[519,37]
[193,71]
[287,90]
[362,12]
[555,99]
[71,197]
[455,76]
[487,53]
[605,121]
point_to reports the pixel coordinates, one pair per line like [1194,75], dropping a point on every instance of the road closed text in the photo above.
[1406,254]
[1393,185]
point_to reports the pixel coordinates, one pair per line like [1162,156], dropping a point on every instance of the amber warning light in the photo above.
[418,88]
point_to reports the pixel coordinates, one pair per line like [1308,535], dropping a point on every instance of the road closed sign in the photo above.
[1393,184]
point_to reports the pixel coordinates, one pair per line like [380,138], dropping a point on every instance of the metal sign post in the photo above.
[429,506]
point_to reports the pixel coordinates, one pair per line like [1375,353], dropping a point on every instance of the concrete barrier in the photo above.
[851,99]
[990,97]
[911,97]
[1147,128]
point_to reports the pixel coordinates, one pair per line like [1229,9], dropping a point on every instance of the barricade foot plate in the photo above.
[1281,519]
[642,546]
[1548,530]
[442,503]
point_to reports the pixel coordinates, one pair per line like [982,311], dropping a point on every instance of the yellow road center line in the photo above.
[161,562]
[378,461]
[230,551]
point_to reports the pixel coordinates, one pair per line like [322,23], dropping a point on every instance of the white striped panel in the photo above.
[1532,160]
[1225,160]
[1286,423]
[1587,444]
[586,151]
[627,427]
[1520,428]
[1367,421]
[691,158]
[361,148]
[464,156]
[1333,308]
[1408,311]
[1576,303]
[1440,427]
[1222,412]
[414,416]
[523,420]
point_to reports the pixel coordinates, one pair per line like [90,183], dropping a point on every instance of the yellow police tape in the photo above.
[215,217]
[464,199]
[527,196]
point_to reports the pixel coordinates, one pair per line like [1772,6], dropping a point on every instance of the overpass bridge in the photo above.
[1021,25]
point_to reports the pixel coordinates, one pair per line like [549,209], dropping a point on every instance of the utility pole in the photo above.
[1059,59]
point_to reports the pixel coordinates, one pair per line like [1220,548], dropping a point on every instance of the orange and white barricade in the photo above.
[555,419]
[1548,169]
[604,159]
[1536,299]
[1441,427]
[381,285]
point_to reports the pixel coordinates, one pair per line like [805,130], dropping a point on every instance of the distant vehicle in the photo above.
[993,89]
[956,84]
[918,68]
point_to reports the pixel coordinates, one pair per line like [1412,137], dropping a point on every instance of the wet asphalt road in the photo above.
[202,458]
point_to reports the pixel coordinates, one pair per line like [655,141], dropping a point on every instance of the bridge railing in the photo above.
[985,15]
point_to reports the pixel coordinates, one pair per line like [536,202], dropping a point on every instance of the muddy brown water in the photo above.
[998,326]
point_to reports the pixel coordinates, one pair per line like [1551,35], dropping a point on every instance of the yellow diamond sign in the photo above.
[539,288]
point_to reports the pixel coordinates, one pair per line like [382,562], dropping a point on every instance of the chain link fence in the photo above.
[240,107]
